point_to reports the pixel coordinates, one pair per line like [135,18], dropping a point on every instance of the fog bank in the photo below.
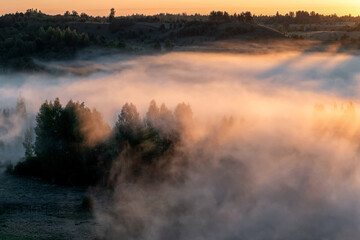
[284,163]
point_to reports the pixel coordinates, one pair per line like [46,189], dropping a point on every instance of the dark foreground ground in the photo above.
[33,210]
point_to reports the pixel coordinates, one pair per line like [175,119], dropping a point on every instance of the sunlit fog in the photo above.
[269,148]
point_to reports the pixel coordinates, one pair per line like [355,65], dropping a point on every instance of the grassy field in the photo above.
[33,210]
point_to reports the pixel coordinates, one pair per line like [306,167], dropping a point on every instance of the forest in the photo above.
[36,35]
[33,34]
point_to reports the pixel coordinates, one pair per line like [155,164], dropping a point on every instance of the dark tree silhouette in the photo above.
[112,15]
[71,147]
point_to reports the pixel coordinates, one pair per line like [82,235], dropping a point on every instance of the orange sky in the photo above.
[125,7]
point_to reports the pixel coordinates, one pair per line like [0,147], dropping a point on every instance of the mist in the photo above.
[272,151]
[14,121]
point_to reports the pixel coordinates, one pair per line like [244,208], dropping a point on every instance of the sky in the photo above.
[92,7]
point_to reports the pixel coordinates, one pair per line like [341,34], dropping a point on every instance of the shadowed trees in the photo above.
[33,34]
[60,145]
[73,145]
[129,126]
[28,143]
[147,146]
[304,17]
[57,39]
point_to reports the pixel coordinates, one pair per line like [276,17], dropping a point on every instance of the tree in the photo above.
[112,15]
[66,145]
[162,28]
[74,14]
[46,130]
[71,37]
[183,115]
[248,17]
[128,126]
[152,113]
[28,143]
[84,17]
[168,45]
[84,40]
[21,107]
[160,118]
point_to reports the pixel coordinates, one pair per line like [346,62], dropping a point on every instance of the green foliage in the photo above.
[28,143]
[169,45]
[16,51]
[129,126]
[84,40]
[33,34]
[121,44]
[60,145]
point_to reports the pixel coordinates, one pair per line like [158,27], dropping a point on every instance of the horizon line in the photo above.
[50,13]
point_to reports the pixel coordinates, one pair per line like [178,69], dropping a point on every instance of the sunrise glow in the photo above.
[340,7]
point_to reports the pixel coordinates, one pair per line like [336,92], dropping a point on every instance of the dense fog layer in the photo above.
[282,164]
[198,78]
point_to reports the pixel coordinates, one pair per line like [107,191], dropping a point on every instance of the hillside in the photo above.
[143,32]
[35,35]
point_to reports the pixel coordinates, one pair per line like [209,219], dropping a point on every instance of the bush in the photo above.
[168,45]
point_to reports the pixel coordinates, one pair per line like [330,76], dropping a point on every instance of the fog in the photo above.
[14,121]
[272,152]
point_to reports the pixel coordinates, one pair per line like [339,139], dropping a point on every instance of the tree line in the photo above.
[34,34]
[304,17]
[24,36]
[219,16]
